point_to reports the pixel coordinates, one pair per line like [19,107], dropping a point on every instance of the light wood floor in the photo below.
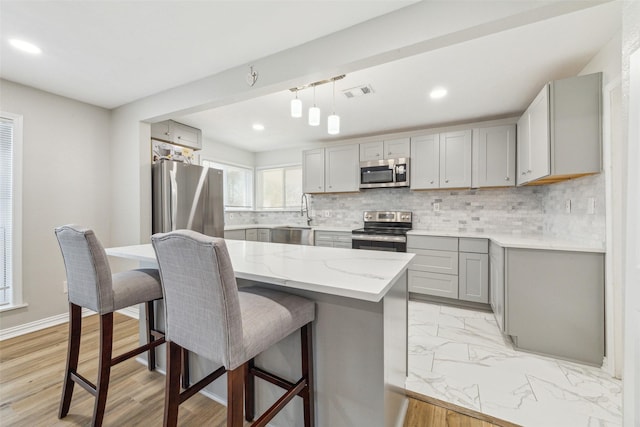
[32,368]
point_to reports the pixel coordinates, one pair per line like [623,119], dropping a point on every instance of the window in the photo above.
[238,185]
[10,214]
[279,188]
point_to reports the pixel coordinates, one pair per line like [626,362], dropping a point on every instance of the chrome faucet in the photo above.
[304,206]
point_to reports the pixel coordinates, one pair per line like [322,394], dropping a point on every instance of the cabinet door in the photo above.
[425,162]
[251,234]
[264,235]
[397,148]
[185,135]
[494,153]
[342,168]
[234,234]
[474,277]
[371,151]
[313,171]
[523,145]
[539,133]
[455,159]
[440,285]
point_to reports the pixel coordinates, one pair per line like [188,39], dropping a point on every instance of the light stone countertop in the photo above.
[314,227]
[518,241]
[359,274]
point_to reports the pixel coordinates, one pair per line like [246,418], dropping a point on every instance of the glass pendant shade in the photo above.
[314,116]
[296,108]
[333,124]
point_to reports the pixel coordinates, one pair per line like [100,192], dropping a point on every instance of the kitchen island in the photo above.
[360,331]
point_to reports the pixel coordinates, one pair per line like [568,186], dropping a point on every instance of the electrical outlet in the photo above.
[591,206]
[327,214]
[436,207]
[567,206]
[65,288]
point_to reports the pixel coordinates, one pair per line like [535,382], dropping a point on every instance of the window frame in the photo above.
[258,196]
[251,169]
[16,223]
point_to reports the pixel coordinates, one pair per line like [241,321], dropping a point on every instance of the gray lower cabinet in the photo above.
[333,239]
[473,279]
[555,302]
[234,234]
[496,283]
[449,267]
[258,234]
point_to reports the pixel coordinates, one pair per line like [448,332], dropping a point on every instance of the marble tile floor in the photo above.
[459,356]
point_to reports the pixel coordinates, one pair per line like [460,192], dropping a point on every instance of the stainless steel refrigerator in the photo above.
[187,197]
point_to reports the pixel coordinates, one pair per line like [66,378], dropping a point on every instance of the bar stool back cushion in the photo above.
[202,300]
[89,279]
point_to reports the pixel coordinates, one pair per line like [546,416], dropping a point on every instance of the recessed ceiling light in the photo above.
[25,46]
[258,126]
[438,92]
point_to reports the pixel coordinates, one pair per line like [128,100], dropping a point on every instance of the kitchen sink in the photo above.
[293,235]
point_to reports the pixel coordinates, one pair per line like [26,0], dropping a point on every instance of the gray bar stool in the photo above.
[208,315]
[91,285]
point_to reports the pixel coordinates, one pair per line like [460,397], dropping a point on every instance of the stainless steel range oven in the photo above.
[383,231]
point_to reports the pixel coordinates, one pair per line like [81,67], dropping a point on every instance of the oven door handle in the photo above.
[378,238]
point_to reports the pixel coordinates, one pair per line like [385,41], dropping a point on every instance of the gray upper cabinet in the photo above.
[441,160]
[341,168]
[331,169]
[560,134]
[455,159]
[425,162]
[177,133]
[494,157]
[313,171]
[388,149]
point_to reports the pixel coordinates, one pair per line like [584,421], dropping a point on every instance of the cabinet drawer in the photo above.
[251,234]
[478,246]
[441,285]
[435,261]
[432,242]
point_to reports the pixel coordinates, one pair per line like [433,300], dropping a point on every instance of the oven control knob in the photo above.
[367,217]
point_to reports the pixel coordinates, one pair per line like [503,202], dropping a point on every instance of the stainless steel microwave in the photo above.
[384,173]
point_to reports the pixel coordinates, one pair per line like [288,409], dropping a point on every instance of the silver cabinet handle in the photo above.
[506,178]
[446,180]
[431,182]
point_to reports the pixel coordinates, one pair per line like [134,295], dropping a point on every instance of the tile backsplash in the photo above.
[538,210]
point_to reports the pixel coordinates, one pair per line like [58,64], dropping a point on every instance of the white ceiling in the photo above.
[111,53]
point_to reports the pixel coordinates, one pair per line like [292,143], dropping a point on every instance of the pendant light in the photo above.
[314,112]
[333,121]
[296,107]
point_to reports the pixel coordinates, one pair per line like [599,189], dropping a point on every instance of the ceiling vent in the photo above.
[355,92]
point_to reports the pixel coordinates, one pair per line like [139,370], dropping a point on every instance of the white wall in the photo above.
[66,179]
[219,152]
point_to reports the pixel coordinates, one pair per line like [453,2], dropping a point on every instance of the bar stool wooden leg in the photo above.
[104,367]
[249,391]
[186,382]
[172,392]
[235,391]
[308,396]
[150,324]
[73,352]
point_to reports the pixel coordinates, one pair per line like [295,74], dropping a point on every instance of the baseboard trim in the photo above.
[37,325]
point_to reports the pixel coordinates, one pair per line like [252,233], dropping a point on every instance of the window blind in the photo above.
[6,209]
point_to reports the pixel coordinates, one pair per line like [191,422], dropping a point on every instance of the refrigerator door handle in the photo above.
[173,205]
